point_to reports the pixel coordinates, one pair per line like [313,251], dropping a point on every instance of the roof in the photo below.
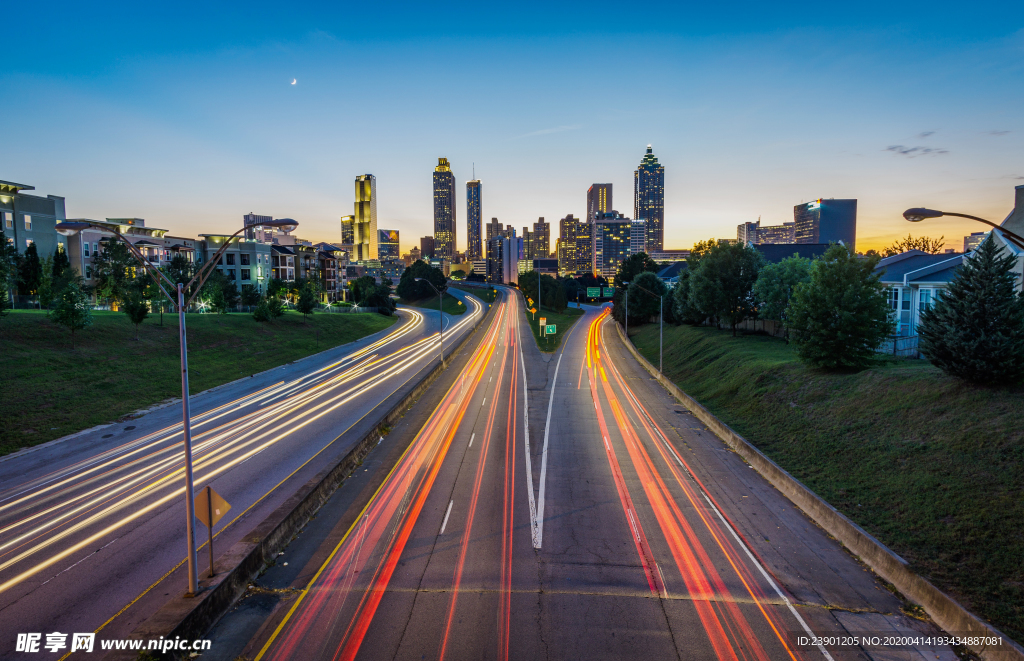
[284,250]
[672,270]
[11,188]
[146,243]
[895,269]
[776,252]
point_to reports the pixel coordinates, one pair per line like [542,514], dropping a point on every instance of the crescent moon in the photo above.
[294,81]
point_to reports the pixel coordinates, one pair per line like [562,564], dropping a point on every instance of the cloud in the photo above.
[913,152]
[925,134]
[998,132]
[557,129]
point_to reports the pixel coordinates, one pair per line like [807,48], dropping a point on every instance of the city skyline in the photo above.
[783,107]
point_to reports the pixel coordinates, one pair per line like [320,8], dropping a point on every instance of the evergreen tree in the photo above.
[8,273]
[840,315]
[113,271]
[645,293]
[630,268]
[975,330]
[61,262]
[775,284]
[262,311]
[136,307]
[410,290]
[46,290]
[307,302]
[721,284]
[250,295]
[72,309]
[30,271]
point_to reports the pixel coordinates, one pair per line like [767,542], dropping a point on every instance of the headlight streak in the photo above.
[410,481]
[227,443]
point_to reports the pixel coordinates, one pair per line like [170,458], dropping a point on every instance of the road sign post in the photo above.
[593,292]
[210,507]
[551,329]
[609,292]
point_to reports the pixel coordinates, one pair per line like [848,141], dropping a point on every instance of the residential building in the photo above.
[364,224]
[31,219]
[973,240]
[913,279]
[245,262]
[444,211]
[332,260]
[649,199]
[255,231]
[282,263]
[427,247]
[638,236]
[599,200]
[474,221]
[826,221]
[610,243]
[387,244]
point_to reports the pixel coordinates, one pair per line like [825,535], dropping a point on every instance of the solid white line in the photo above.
[539,518]
[445,524]
[471,440]
[483,402]
[529,460]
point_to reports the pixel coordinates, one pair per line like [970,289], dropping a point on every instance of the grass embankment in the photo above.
[563,322]
[929,465]
[49,390]
[450,304]
[485,294]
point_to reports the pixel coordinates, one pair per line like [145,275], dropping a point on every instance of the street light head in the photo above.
[70,228]
[285,224]
[417,279]
[918,214]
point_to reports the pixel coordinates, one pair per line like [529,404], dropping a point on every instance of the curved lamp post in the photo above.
[440,315]
[70,228]
[918,214]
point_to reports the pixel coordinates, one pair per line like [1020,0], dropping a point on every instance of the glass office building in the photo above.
[649,199]
[826,221]
[474,221]
[444,211]
[387,244]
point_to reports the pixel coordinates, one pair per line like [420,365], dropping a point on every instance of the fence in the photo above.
[903,346]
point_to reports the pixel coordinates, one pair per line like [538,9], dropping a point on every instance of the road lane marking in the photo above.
[445,524]
[471,440]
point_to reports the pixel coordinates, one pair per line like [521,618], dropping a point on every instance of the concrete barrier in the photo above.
[191,618]
[943,609]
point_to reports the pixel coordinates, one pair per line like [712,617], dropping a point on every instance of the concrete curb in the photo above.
[943,609]
[190,619]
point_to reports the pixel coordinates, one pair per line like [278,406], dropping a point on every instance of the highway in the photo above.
[92,529]
[566,507]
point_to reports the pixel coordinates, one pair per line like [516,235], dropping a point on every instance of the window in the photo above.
[9,220]
[28,222]
[231,274]
[231,259]
[245,274]
[28,242]
[95,248]
[244,260]
[88,272]
[85,249]
[925,300]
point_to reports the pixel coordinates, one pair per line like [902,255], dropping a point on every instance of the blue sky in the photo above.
[185,115]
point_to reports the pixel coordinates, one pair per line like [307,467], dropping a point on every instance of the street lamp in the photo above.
[626,296]
[918,214]
[661,329]
[440,315]
[70,228]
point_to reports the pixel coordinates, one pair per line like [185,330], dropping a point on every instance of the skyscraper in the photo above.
[348,235]
[541,239]
[387,244]
[826,221]
[427,247]
[599,200]
[637,236]
[568,230]
[444,211]
[474,219]
[364,225]
[649,199]
[610,243]
[584,247]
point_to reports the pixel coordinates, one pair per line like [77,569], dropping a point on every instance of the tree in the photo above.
[8,272]
[250,295]
[262,311]
[307,302]
[775,284]
[113,271]
[410,290]
[552,294]
[642,304]
[72,309]
[180,269]
[136,307]
[721,285]
[46,282]
[276,286]
[61,262]
[922,243]
[30,271]
[840,315]
[975,330]
[631,267]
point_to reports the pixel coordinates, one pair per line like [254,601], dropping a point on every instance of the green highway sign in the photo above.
[593,292]
[609,292]
[551,329]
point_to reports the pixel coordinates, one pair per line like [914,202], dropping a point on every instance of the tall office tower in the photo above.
[584,247]
[252,221]
[599,200]
[784,233]
[427,247]
[637,236]
[491,230]
[568,230]
[348,234]
[747,232]
[649,199]
[474,219]
[364,225]
[387,244]
[444,211]
[502,260]
[527,243]
[541,239]
[610,243]
[826,221]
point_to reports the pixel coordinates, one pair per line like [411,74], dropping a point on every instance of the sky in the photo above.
[186,115]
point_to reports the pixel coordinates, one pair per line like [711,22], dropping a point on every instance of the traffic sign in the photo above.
[551,329]
[210,507]
[543,322]
[593,292]
[609,292]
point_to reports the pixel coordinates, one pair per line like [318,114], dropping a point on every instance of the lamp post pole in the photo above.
[69,228]
[626,296]
[918,214]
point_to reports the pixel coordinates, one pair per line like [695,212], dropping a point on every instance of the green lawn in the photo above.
[931,466]
[485,294]
[563,323]
[49,390]
[451,305]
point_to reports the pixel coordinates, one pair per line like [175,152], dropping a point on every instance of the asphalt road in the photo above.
[566,507]
[92,529]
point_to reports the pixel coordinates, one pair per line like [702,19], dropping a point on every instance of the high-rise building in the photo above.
[599,200]
[826,221]
[972,241]
[474,219]
[502,261]
[444,211]
[527,243]
[541,239]
[637,236]
[649,199]
[584,247]
[757,233]
[348,235]
[568,231]
[252,221]
[427,247]
[387,244]
[364,225]
[611,241]
[747,232]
